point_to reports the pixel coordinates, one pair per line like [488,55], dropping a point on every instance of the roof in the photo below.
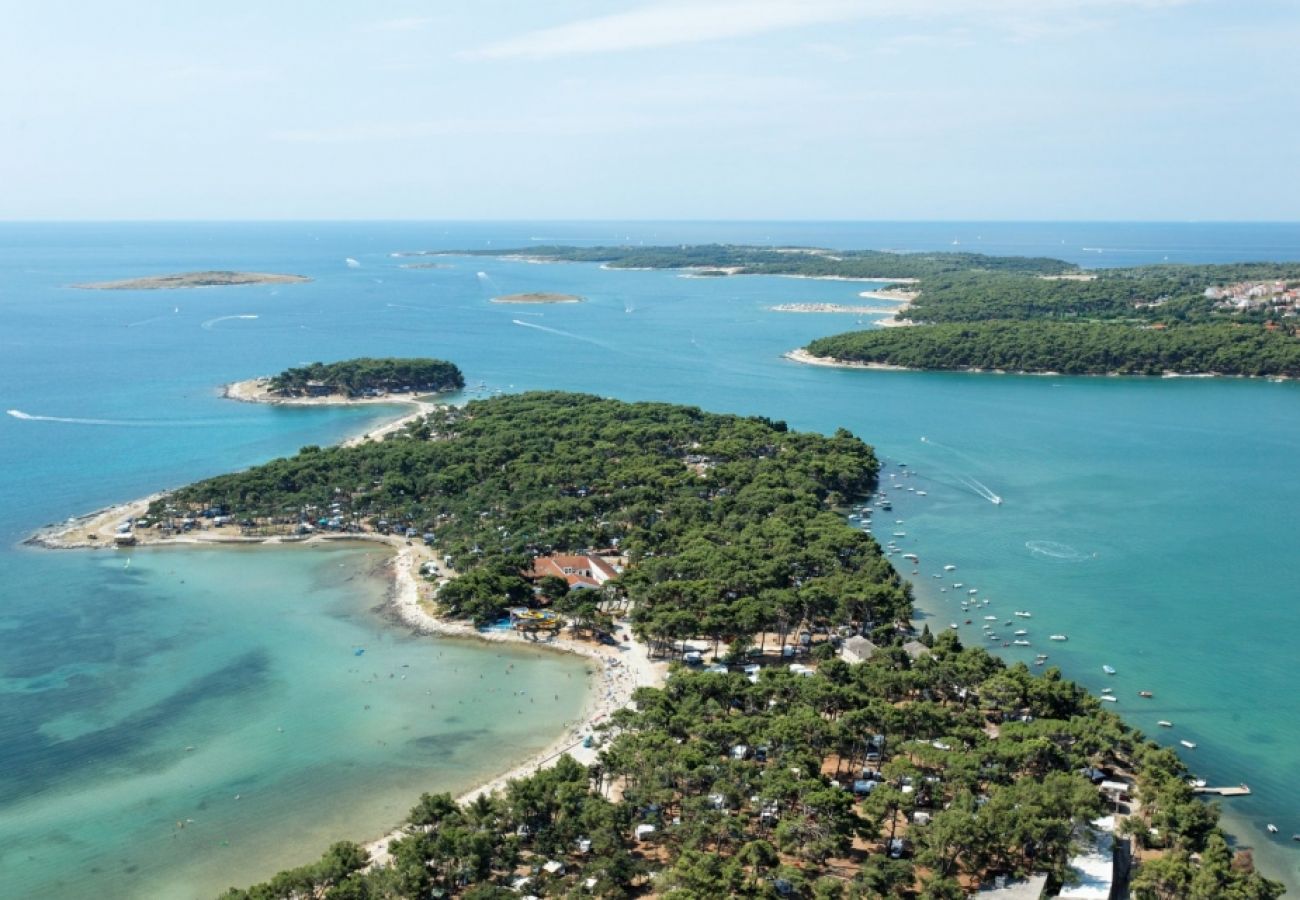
[579,571]
[1094,868]
[857,649]
[916,649]
[1030,888]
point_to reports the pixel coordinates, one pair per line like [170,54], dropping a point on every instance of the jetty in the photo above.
[1241,790]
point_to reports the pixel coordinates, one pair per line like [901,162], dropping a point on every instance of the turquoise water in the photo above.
[1151,521]
[203,717]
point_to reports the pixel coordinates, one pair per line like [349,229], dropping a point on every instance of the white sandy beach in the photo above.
[803,356]
[619,670]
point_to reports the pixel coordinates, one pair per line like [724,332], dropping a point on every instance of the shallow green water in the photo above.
[228,696]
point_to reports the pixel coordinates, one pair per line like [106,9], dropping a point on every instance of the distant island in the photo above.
[193,280]
[1019,314]
[538,297]
[721,260]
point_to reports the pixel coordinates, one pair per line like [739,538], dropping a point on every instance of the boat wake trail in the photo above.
[119,423]
[145,321]
[207,326]
[1055,550]
[971,483]
[567,334]
[982,489]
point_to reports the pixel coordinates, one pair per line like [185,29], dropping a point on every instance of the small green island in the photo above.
[973,312]
[367,377]
[193,280]
[829,749]
[538,297]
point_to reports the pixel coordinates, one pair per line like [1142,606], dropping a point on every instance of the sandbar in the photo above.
[538,297]
[193,280]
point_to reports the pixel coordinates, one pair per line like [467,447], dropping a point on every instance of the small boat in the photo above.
[1021,643]
[1165,723]
[920,493]
[1020,632]
[900,534]
[973,591]
[912,556]
[1059,637]
[1147,694]
[990,618]
[1190,745]
[1108,690]
[1109,699]
[1272,829]
[1040,662]
[1109,670]
[1042,656]
[952,624]
[950,568]
[1197,782]
[958,585]
[1024,614]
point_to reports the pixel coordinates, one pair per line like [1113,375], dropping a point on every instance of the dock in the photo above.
[1241,790]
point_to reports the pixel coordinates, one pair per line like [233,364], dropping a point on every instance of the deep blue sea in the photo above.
[1153,521]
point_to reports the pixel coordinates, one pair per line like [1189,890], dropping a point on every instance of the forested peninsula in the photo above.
[367,376]
[923,771]
[1144,320]
[1081,348]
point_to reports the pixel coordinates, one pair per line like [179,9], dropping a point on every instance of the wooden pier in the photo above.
[1241,790]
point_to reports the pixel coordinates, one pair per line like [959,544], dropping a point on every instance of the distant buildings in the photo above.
[1250,296]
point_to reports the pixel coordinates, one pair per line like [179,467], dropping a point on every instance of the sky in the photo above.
[650,109]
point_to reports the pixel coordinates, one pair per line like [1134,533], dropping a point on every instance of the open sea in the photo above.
[175,721]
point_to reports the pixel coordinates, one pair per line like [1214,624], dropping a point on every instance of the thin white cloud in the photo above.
[409,23]
[668,24]
[675,23]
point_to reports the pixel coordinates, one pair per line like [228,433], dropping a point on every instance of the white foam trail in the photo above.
[972,483]
[567,334]
[982,489]
[210,322]
[1056,550]
[120,423]
[352,263]
[146,321]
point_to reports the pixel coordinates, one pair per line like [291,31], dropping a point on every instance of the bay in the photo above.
[1151,520]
